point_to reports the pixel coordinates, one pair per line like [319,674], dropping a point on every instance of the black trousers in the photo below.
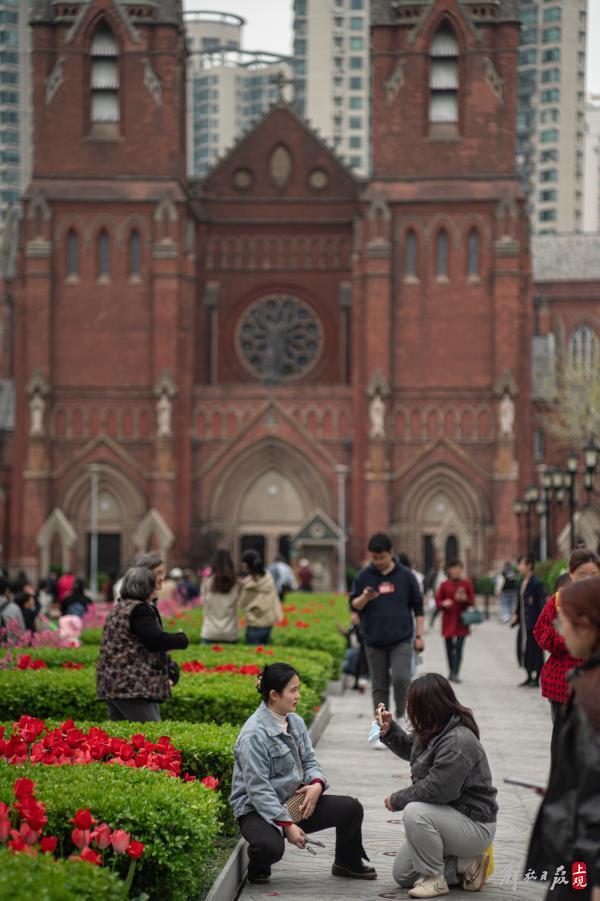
[266,844]
[454,649]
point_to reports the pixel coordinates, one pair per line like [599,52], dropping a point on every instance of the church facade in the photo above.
[279,349]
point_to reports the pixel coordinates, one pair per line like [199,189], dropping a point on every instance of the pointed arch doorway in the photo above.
[264,496]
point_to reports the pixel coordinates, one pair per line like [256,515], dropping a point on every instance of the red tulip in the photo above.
[29,835]
[48,844]
[4,810]
[101,835]
[83,819]
[16,844]
[120,840]
[23,788]
[4,830]
[91,856]
[217,647]
[210,782]
[80,838]
[188,778]
[135,849]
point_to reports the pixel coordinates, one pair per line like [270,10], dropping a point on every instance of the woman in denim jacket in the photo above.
[273,758]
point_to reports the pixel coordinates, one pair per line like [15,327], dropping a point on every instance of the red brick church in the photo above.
[237,359]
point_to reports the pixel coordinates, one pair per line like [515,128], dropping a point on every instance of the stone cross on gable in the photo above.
[281,82]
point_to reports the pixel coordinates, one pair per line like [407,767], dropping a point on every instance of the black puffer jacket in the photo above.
[567,829]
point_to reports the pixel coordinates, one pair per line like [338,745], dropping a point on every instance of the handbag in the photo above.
[472,617]
[293,805]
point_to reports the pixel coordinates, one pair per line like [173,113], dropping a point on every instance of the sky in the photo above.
[270,28]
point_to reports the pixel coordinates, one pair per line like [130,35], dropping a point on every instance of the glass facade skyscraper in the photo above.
[15,102]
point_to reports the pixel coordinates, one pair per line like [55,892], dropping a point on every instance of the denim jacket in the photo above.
[270,765]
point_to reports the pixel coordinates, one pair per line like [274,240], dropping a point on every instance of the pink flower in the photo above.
[210,782]
[91,856]
[120,840]
[80,837]
[101,835]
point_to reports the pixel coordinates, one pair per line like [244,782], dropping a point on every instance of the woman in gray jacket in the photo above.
[450,809]
[274,758]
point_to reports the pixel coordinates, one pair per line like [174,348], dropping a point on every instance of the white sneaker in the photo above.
[429,887]
[476,873]
[379,745]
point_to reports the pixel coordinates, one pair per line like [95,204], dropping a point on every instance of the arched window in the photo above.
[443,78]
[473,251]
[442,254]
[410,258]
[584,349]
[104,77]
[72,253]
[135,254]
[103,255]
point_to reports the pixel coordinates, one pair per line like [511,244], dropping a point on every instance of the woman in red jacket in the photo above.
[583,564]
[453,597]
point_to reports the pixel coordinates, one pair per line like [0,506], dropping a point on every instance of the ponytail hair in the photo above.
[274,677]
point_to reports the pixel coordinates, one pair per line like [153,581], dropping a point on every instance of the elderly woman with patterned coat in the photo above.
[134,671]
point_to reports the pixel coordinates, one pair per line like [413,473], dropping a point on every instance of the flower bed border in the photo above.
[232,877]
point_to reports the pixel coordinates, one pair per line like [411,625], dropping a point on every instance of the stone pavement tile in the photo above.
[515,729]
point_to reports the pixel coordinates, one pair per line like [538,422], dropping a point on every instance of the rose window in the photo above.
[279,337]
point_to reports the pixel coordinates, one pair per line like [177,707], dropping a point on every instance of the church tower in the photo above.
[105,295]
[444,268]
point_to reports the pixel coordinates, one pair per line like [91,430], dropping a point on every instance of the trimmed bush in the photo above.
[23,878]
[206,749]
[176,821]
[91,636]
[71,694]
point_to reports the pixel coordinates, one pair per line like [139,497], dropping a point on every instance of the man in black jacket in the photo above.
[387,597]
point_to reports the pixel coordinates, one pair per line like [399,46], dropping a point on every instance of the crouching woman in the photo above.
[274,758]
[450,809]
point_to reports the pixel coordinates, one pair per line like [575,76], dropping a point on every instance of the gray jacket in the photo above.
[11,612]
[270,765]
[453,769]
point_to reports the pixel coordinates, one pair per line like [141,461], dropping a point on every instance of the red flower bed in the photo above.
[31,741]
[22,825]
[194,666]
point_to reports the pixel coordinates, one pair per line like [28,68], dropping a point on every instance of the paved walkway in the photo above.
[515,729]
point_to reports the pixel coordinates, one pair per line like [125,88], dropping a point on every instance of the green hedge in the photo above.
[177,822]
[23,878]
[314,666]
[206,749]
[71,694]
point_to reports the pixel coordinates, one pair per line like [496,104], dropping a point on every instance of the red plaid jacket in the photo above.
[554,672]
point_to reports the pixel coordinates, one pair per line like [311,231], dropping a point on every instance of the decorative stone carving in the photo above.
[152,82]
[506,416]
[506,384]
[494,79]
[280,166]
[166,215]
[378,385]
[39,215]
[279,338]
[243,179]
[54,80]
[318,179]
[37,390]
[377,416]
[394,83]
[164,390]
[379,218]
[507,213]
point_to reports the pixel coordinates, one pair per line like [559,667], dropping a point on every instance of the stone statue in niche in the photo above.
[377,416]
[37,408]
[506,416]
[164,410]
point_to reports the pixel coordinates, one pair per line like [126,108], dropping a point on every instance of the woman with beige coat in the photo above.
[220,597]
[259,599]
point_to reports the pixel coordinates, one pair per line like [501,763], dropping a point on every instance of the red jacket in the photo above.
[554,672]
[451,622]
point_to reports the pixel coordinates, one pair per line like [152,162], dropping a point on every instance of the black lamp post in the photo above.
[591,454]
[519,508]
[570,481]
[531,495]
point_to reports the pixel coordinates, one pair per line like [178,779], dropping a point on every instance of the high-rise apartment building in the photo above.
[228,87]
[331,74]
[551,113]
[15,102]
[591,170]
